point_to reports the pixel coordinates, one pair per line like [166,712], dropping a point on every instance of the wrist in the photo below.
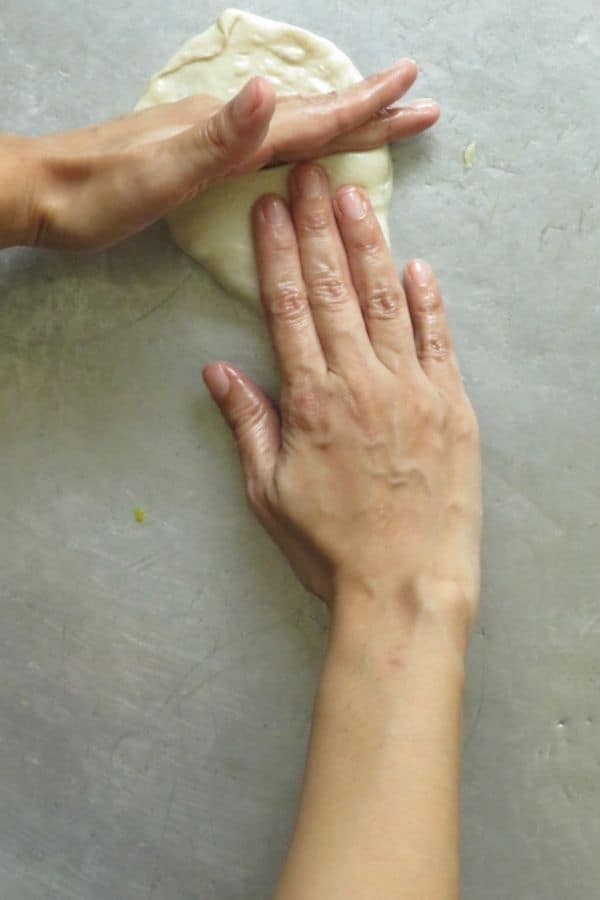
[18,189]
[376,615]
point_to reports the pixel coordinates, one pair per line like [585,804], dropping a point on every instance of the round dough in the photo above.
[215,227]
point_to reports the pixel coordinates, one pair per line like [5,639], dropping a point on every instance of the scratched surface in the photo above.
[156,678]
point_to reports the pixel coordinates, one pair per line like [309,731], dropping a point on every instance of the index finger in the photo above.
[313,121]
[351,107]
[282,290]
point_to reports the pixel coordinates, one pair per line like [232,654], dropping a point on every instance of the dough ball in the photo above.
[215,228]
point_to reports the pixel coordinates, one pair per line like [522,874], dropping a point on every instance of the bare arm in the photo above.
[89,188]
[368,478]
[379,810]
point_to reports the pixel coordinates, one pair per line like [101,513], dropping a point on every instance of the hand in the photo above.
[369,476]
[89,188]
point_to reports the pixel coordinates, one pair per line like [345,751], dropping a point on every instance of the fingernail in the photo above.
[274,210]
[310,183]
[420,272]
[352,203]
[424,105]
[217,383]
[247,100]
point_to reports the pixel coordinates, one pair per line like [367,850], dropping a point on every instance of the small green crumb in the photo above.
[469,155]
[139,514]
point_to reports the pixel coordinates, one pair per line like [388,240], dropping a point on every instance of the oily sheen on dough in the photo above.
[215,227]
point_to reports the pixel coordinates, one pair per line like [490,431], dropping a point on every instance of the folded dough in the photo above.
[215,227]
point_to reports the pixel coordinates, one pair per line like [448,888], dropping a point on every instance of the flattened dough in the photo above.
[215,227]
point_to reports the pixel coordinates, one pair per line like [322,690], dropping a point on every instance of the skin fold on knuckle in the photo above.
[313,222]
[328,289]
[428,302]
[365,238]
[246,416]
[213,137]
[382,301]
[433,346]
[286,300]
[368,246]
[277,243]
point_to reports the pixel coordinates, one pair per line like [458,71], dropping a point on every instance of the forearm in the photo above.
[379,809]
[17,189]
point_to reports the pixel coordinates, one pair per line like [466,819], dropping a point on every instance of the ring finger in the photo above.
[375,278]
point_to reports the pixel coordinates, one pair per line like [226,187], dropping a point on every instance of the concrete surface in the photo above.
[156,679]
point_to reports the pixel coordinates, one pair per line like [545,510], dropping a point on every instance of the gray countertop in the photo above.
[156,679]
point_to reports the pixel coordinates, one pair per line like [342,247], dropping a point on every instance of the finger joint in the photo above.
[314,221]
[213,137]
[428,302]
[328,289]
[382,302]
[435,347]
[287,301]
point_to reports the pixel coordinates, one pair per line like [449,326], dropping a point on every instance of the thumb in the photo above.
[253,420]
[228,138]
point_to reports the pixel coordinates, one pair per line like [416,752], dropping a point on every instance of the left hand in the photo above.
[90,188]
[368,474]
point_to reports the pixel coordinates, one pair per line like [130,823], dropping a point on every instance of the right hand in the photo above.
[369,476]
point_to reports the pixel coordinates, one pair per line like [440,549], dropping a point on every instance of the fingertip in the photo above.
[308,180]
[428,110]
[419,272]
[217,380]
[407,70]
[351,202]
[255,100]
[266,90]
[270,209]
[406,64]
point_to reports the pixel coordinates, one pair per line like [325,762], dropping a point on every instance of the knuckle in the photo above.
[367,243]
[314,220]
[465,428]
[434,346]
[430,411]
[287,301]
[428,302]
[304,407]
[382,302]
[213,136]
[247,418]
[327,287]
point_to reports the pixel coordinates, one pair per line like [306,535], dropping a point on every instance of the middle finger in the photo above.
[333,300]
